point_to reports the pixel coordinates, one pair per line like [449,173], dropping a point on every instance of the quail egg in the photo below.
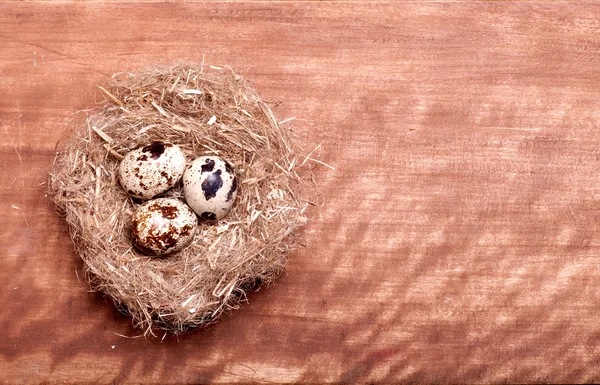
[151,170]
[210,187]
[163,226]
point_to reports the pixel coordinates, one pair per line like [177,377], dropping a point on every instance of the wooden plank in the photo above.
[459,238]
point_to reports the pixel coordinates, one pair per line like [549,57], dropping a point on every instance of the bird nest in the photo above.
[205,111]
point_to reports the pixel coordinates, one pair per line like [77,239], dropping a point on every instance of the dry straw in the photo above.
[206,111]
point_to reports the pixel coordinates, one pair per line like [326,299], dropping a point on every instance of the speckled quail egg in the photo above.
[210,187]
[151,170]
[163,226]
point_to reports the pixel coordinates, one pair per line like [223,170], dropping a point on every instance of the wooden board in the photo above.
[459,241]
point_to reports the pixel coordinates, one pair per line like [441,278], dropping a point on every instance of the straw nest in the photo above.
[205,111]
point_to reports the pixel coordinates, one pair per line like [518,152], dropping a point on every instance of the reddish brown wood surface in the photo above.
[459,241]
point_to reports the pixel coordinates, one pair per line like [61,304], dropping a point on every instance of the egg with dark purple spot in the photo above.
[210,187]
[163,226]
[151,170]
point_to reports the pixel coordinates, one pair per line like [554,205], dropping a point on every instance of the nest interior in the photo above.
[205,111]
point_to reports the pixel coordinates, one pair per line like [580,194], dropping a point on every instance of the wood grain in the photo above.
[459,241]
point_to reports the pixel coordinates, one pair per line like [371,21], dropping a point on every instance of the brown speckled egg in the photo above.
[210,187]
[151,170]
[163,226]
